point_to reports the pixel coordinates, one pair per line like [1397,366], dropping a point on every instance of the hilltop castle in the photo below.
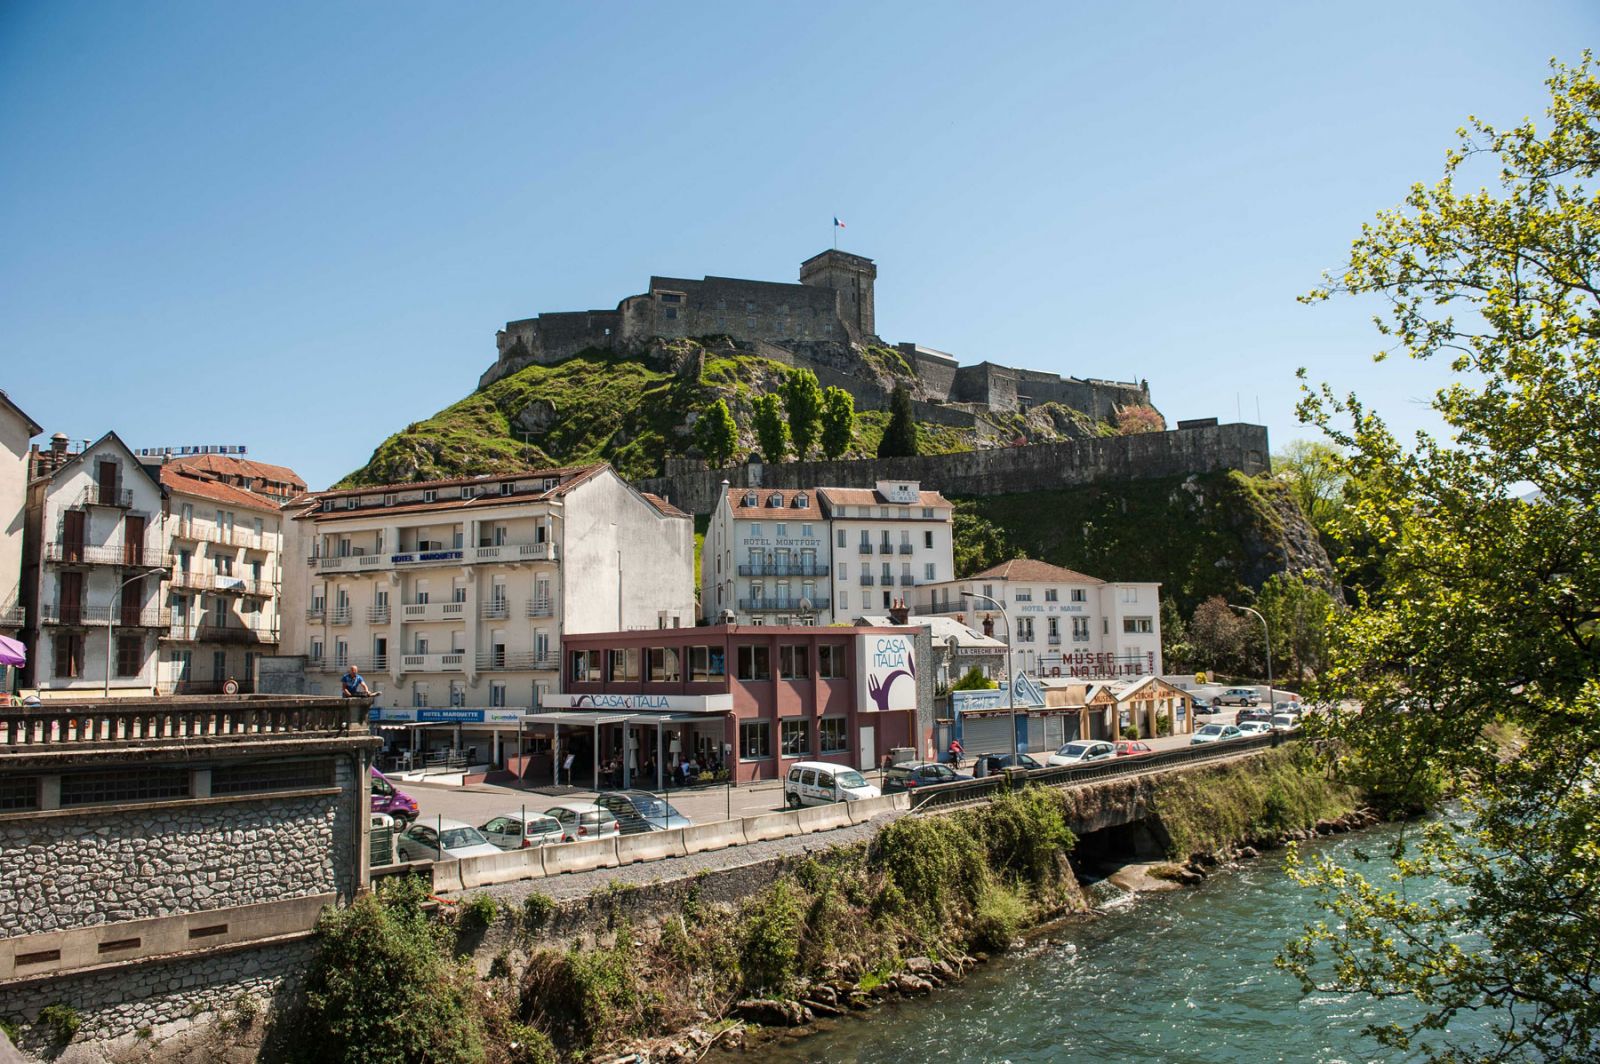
[825,323]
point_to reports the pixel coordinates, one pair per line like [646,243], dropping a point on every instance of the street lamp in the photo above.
[1011,680]
[1267,635]
[111,623]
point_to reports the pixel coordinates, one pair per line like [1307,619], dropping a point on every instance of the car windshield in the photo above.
[1211,729]
[649,805]
[538,825]
[849,778]
[1073,749]
[456,838]
[942,772]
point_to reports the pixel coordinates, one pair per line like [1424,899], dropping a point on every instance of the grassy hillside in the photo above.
[1199,535]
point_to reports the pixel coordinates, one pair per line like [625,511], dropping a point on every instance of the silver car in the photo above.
[518,831]
[1215,733]
[1083,751]
[442,840]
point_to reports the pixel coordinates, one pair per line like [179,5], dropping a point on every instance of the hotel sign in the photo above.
[446,716]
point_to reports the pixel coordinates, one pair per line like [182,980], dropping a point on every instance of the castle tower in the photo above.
[851,276]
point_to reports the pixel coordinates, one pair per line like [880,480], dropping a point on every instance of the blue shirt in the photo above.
[352,684]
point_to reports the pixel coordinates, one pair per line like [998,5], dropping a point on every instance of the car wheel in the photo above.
[792,800]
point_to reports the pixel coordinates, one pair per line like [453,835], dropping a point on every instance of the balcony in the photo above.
[120,498]
[783,605]
[452,662]
[233,634]
[907,580]
[867,580]
[501,553]
[907,548]
[413,612]
[13,615]
[128,556]
[75,616]
[378,614]
[1053,640]
[514,552]
[886,548]
[783,569]
[380,663]
[223,583]
[865,548]
[350,563]
[316,614]
[339,615]
[538,607]
[505,662]
[494,610]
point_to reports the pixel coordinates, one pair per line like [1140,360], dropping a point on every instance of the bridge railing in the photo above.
[951,794]
[182,717]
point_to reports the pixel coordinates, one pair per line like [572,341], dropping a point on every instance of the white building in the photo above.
[815,556]
[456,593]
[227,557]
[16,430]
[95,563]
[1062,623]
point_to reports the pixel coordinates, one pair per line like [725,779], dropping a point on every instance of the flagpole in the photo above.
[836,238]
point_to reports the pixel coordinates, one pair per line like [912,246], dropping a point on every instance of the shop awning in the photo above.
[576,718]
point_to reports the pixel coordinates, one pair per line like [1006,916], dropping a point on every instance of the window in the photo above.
[927,539]
[1024,594]
[755,527]
[497,694]
[419,695]
[624,665]
[1130,594]
[775,500]
[844,598]
[749,498]
[702,662]
[831,735]
[801,501]
[130,655]
[1025,630]
[430,495]
[841,539]
[783,531]
[316,650]
[585,665]
[664,666]
[1080,629]
[830,661]
[671,297]
[755,662]
[69,655]
[794,662]
[755,740]
[927,515]
[1051,594]
[1080,595]
[796,737]
[1137,625]
[844,572]
[458,693]
[928,571]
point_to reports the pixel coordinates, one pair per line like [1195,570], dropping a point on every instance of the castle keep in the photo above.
[825,323]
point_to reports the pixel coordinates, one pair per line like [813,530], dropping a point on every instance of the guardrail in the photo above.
[951,794]
[206,717]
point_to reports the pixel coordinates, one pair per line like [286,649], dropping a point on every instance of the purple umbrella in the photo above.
[12,652]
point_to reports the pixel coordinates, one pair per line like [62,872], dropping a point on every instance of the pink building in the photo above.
[752,700]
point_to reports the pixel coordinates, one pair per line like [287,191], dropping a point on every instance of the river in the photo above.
[1174,976]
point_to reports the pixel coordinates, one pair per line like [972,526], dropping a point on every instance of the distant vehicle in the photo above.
[1239,696]
[1132,748]
[1258,714]
[640,811]
[1202,706]
[916,775]
[387,798]
[1082,752]
[1295,708]
[1255,727]
[518,831]
[818,783]
[1215,733]
[584,821]
[442,840]
[1285,721]
[990,764]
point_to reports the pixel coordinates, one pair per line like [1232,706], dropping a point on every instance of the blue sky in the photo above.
[298,226]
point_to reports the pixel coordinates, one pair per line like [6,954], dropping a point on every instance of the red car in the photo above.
[1130,748]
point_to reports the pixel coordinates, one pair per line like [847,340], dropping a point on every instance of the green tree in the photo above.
[802,401]
[716,435]
[838,421]
[1299,612]
[1315,476]
[974,680]
[1478,662]
[1220,636]
[772,432]
[900,439]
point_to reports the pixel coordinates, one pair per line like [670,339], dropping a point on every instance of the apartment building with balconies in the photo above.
[95,564]
[888,541]
[223,597]
[17,429]
[1060,622]
[457,593]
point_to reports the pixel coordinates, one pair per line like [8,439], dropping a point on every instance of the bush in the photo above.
[999,919]
[582,996]
[937,864]
[62,1021]
[478,911]
[1024,833]
[770,947]
[537,911]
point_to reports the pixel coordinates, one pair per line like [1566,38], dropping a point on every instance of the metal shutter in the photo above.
[985,735]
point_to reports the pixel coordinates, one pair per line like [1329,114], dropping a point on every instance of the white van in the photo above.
[818,783]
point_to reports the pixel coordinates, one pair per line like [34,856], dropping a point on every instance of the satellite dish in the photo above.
[805,605]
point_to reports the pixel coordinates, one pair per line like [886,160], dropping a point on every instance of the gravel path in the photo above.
[580,884]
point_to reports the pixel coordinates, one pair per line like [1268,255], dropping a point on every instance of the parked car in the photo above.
[1255,727]
[387,798]
[1215,733]
[442,840]
[1261,714]
[1132,748]
[640,811]
[1239,696]
[1202,707]
[818,783]
[1285,721]
[518,831]
[914,775]
[1083,751]
[992,764]
[1295,708]
[584,821]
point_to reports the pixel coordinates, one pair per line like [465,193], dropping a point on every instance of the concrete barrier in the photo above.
[900,800]
[650,846]
[769,826]
[507,867]
[822,817]
[447,877]
[580,856]
[717,835]
[864,810]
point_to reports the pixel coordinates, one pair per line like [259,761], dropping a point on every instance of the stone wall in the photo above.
[998,471]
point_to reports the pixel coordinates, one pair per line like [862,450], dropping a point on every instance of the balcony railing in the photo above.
[225,583]
[379,663]
[121,498]
[74,616]
[538,607]
[953,606]
[867,580]
[220,633]
[907,548]
[514,552]
[211,532]
[886,548]
[411,612]
[494,610]
[316,614]
[134,556]
[783,569]
[339,615]
[865,548]
[783,605]
[432,662]
[168,719]
[378,614]
[1053,640]
[503,552]
[492,662]
[13,615]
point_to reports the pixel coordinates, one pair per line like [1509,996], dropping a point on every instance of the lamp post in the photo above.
[111,624]
[1267,635]
[1011,680]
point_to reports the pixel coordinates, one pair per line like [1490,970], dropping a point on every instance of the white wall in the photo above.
[602,517]
[14,438]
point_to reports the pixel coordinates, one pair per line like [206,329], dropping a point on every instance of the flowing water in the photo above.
[1174,976]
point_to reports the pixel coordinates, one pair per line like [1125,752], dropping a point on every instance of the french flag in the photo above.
[837,224]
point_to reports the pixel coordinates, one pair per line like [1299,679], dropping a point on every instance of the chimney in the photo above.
[898,614]
[58,443]
[988,625]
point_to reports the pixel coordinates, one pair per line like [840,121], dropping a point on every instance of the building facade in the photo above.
[95,563]
[17,429]
[224,596]
[815,556]
[276,482]
[458,593]
[1061,622]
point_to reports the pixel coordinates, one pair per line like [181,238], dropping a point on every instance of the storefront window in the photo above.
[832,738]
[755,662]
[585,665]
[755,740]
[707,664]
[796,737]
[625,664]
[794,662]
[664,665]
[830,661]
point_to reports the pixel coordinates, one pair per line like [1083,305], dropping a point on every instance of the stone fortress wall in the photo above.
[819,324]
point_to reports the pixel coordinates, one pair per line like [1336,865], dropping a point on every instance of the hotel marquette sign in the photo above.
[887,671]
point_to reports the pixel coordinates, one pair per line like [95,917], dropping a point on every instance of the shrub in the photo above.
[478,911]
[581,996]
[999,918]
[1024,834]
[62,1021]
[936,863]
[770,945]
[529,1045]
[537,911]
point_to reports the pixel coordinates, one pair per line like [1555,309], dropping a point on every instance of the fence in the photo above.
[205,718]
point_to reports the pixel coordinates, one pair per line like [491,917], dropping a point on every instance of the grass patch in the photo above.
[1281,790]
